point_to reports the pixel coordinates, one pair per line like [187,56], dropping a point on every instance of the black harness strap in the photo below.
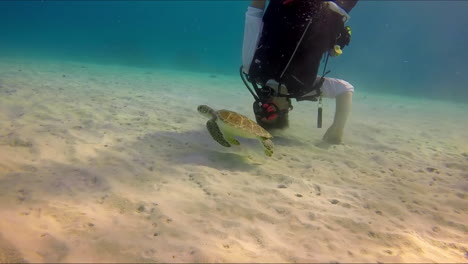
[248,87]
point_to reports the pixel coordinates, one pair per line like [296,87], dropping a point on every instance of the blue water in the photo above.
[415,48]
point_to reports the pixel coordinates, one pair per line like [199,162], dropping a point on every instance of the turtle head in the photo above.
[205,111]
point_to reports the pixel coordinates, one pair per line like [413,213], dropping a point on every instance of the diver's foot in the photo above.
[333,136]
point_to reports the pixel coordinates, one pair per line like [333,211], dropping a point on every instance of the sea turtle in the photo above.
[224,125]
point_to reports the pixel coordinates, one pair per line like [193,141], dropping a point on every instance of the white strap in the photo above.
[337,9]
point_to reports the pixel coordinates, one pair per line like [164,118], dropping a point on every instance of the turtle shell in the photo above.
[243,123]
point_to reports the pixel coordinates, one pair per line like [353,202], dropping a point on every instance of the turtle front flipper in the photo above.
[267,146]
[216,133]
[229,138]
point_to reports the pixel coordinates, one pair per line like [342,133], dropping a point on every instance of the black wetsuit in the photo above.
[285,22]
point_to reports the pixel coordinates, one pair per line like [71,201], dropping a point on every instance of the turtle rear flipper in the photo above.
[216,133]
[267,146]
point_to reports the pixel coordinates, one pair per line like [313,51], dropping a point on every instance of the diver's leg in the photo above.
[342,91]
[334,134]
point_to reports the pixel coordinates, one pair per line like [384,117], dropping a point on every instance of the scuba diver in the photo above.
[281,54]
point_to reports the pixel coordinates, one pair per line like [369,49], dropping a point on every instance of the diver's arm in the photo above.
[258,4]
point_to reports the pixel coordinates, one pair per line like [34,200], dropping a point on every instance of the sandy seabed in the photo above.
[114,164]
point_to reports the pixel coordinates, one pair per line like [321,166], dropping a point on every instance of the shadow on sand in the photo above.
[196,147]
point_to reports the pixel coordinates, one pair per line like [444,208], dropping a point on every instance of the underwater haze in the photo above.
[402,47]
[105,158]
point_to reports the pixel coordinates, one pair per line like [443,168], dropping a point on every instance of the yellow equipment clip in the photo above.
[337,51]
